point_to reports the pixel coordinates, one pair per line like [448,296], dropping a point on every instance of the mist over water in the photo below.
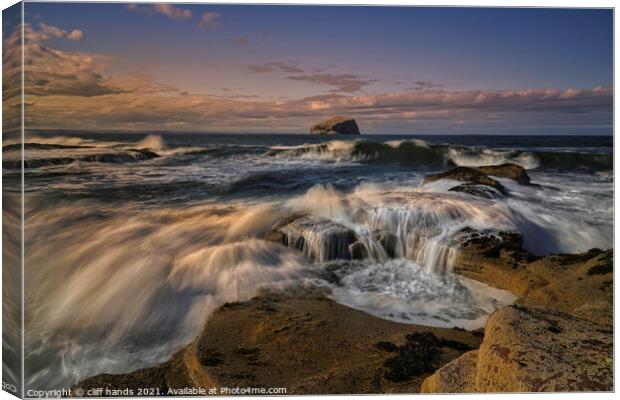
[128,254]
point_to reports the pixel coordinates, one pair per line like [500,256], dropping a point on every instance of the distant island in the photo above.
[336,126]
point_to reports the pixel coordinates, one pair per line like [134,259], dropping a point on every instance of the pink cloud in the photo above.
[210,20]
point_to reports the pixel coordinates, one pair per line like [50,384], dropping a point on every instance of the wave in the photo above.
[422,154]
[42,146]
[152,142]
[409,152]
[114,158]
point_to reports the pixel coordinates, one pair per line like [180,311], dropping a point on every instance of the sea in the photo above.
[133,239]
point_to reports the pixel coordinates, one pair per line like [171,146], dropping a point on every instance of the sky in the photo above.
[244,68]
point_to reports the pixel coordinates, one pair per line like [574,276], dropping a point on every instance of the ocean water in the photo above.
[133,239]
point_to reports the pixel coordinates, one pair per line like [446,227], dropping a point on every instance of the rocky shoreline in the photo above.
[557,336]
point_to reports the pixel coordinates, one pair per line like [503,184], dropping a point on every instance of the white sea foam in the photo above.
[474,157]
[402,291]
[152,142]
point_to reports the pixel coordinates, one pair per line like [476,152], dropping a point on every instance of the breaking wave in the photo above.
[422,154]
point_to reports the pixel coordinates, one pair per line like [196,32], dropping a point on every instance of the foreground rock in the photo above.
[336,125]
[532,350]
[306,343]
[557,337]
[580,285]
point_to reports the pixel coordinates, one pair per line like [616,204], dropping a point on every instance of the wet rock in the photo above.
[337,125]
[319,239]
[388,241]
[491,244]
[358,251]
[387,346]
[418,356]
[473,189]
[511,171]
[469,175]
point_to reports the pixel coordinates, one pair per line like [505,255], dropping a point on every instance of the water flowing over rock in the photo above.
[358,251]
[337,125]
[473,189]
[317,238]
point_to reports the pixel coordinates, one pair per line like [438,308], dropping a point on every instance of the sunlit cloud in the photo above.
[209,20]
[75,34]
[168,10]
[48,31]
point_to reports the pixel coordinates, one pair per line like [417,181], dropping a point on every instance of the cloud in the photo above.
[425,85]
[210,20]
[347,83]
[289,68]
[75,34]
[75,90]
[47,31]
[50,72]
[438,110]
[168,10]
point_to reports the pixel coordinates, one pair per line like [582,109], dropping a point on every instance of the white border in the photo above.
[479,3]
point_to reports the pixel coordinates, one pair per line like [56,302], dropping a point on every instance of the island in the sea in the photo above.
[336,126]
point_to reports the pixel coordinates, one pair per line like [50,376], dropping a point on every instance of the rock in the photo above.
[358,251]
[532,350]
[563,283]
[511,171]
[319,239]
[458,376]
[583,289]
[535,350]
[557,336]
[469,175]
[473,189]
[388,241]
[304,342]
[337,125]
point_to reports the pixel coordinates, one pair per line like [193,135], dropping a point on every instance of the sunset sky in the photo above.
[281,68]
